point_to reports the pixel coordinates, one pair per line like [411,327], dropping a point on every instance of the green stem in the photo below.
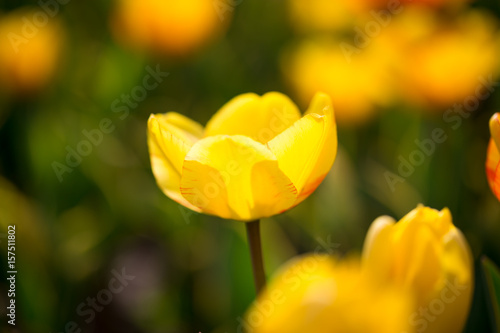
[253,235]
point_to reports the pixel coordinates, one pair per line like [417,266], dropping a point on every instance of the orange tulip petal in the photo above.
[492,168]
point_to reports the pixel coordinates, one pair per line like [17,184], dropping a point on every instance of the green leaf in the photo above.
[492,276]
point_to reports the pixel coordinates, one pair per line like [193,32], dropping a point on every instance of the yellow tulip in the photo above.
[358,83]
[172,27]
[429,60]
[425,254]
[493,156]
[322,15]
[30,47]
[429,3]
[317,293]
[257,156]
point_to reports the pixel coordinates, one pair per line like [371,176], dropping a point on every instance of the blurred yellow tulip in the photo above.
[429,257]
[30,47]
[171,27]
[428,3]
[257,156]
[430,58]
[358,83]
[317,293]
[493,156]
[327,16]
[322,15]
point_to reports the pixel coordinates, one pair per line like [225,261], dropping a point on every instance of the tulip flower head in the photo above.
[256,157]
[29,51]
[429,59]
[320,294]
[322,15]
[493,156]
[358,83]
[429,257]
[172,27]
[428,3]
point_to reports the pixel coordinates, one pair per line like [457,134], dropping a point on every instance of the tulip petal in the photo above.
[260,118]
[418,260]
[235,177]
[457,283]
[457,258]
[183,127]
[170,137]
[377,249]
[493,156]
[458,262]
[495,128]
[492,168]
[307,149]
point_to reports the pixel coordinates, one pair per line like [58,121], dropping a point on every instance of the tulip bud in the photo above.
[425,254]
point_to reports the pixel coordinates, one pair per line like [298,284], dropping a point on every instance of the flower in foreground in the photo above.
[320,294]
[425,254]
[415,276]
[493,156]
[256,157]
